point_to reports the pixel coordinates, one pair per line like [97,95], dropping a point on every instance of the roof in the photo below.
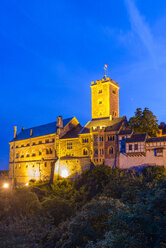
[138,137]
[42,130]
[156,139]
[73,133]
[111,125]
[125,132]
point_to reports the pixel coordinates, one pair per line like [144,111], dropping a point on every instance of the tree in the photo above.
[144,122]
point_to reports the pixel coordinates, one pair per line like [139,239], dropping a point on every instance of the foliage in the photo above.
[144,122]
[103,208]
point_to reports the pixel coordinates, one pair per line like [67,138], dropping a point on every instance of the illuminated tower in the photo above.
[105,98]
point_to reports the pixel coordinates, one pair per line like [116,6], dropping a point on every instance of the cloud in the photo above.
[141,28]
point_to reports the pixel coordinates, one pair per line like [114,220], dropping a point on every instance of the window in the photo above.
[100,91]
[111,150]
[130,147]
[12,147]
[95,139]
[16,146]
[50,151]
[22,156]
[26,165]
[28,144]
[101,151]
[96,152]
[100,102]
[40,153]
[33,154]
[101,138]
[158,152]
[34,143]
[47,151]
[22,145]
[136,147]
[17,155]
[40,142]
[111,138]
[53,140]
[85,152]
[45,164]
[19,166]
[84,140]
[69,145]
[114,91]
[27,155]
[47,140]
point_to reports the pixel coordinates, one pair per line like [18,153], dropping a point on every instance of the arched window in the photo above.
[96,152]
[85,152]
[111,151]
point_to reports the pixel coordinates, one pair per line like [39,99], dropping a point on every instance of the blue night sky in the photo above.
[52,50]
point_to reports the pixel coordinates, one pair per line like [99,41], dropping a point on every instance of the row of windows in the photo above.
[33,166]
[101,151]
[109,138]
[135,147]
[35,143]
[48,151]
[85,141]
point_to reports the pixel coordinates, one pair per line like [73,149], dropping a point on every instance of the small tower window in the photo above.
[100,91]
[111,150]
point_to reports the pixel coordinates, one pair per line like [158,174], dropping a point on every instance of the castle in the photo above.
[64,148]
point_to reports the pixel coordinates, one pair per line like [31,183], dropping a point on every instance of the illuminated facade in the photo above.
[65,149]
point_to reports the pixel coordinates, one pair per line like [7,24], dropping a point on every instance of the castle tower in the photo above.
[105,98]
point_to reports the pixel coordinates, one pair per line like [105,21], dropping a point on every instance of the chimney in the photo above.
[22,129]
[59,124]
[31,132]
[15,132]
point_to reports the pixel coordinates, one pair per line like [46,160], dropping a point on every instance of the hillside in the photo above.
[103,208]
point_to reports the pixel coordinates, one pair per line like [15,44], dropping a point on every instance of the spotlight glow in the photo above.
[64,173]
[5,185]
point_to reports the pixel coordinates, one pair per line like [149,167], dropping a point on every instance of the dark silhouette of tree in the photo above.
[144,122]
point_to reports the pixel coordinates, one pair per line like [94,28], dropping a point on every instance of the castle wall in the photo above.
[126,161]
